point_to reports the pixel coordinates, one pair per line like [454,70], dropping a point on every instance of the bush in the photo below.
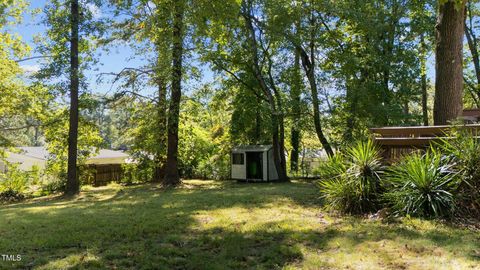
[332,167]
[351,181]
[422,185]
[464,151]
[51,185]
[13,184]
[134,173]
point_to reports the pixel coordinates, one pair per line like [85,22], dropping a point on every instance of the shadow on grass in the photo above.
[144,227]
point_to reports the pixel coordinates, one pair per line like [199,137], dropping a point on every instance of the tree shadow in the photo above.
[146,227]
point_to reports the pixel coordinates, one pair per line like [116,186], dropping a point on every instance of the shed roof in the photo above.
[260,148]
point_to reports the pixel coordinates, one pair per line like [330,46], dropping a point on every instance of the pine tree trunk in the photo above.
[448,103]
[161,147]
[73,185]
[172,177]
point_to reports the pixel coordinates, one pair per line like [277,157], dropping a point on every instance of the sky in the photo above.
[111,61]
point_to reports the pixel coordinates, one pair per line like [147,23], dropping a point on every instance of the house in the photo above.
[105,166]
[253,163]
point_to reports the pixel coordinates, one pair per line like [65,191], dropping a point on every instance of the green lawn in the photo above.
[211,225]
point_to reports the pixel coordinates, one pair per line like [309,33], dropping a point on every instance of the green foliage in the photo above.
[15,183]
[364,164]
[51,184]
[139,172]
[204,144]
[56,134]
[13,180]
[464,151]
[352,183]
[422,185]
[333,167]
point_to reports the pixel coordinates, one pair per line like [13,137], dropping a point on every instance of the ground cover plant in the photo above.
[220,225]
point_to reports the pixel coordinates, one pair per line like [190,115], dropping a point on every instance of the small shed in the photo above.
[253,163]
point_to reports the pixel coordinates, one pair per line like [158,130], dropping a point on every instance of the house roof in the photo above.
[34,152]
[42,153]
[243,148]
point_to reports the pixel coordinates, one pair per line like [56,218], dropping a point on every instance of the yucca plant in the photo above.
[463,148]
[353,182]
[365,168]
[422,185]
[333,167]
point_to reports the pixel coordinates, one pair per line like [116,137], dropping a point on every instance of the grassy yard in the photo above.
[211,225]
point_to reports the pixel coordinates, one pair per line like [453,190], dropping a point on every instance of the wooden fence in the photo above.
[396,142]
[101,175]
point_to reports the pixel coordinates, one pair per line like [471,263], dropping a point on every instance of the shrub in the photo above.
[464,151]
[51,185]
[422,185]
[134,173]
[13,184]
[351,182]
[332,167]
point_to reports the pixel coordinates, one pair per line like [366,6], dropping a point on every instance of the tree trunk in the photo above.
[351,100]
[448,103]
[308,63]
[159,173]
[258,121]
[73,185]
[295,93]
[310,71]
[423,67]
[172,177]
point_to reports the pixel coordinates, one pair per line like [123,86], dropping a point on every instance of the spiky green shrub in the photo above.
[422,185]
[464,150]
[332,167]
[353,183]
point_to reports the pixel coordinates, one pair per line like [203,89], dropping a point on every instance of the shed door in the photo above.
[254,165]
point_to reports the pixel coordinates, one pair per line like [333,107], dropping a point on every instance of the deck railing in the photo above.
[396,142]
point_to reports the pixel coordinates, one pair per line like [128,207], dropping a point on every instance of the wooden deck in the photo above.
[399,141]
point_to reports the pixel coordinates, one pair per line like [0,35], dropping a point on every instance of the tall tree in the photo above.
[68,48]
[448,103]
[267,86]
[172,176]
[73,185]
[295,93]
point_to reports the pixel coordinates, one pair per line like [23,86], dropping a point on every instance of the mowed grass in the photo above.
[220,225]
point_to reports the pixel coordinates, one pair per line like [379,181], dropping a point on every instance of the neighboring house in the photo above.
[106,165]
